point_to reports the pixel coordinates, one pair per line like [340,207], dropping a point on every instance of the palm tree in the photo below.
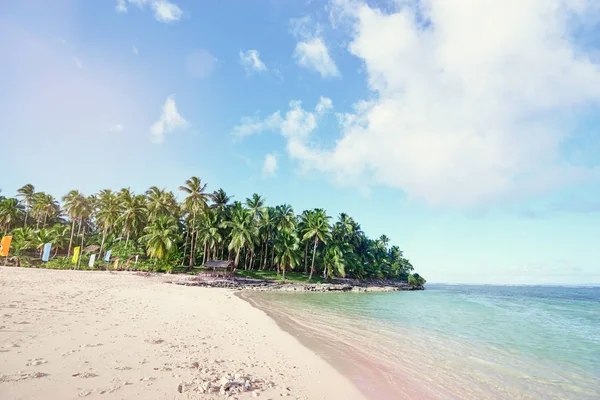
[44,205]
[285,220]
[210,233]
[194,203]
[160,237]
[266,222]
[108,213]
[243,230]
[255,205]
[287,245]
[59,237]
[334,263]
[86,210]
[10,213]
[303,228]
[318,228]
[26,193]
[41,237]
[220,200]
[72,205]
[22,239]
[133,213]
[160,202]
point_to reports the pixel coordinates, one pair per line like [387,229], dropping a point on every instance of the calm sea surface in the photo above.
[454,342]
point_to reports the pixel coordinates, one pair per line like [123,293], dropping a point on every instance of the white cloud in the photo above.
[169,121]
[117,128]
[465,107]
[297,123]
[325,104]
[313,54]
[164,10]
[250,126]
[121,6]
[269,165]
[251,61]
[135,50]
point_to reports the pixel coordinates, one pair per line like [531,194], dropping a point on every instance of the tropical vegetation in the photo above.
[164,234]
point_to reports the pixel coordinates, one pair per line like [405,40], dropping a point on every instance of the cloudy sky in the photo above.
[468,131]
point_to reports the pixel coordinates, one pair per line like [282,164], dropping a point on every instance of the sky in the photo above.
[467,131]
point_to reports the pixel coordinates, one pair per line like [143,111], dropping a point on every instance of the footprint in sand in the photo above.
[35,362]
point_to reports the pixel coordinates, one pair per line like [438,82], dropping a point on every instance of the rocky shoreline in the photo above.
[271,286]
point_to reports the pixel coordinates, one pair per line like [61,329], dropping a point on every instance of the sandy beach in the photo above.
[74,334]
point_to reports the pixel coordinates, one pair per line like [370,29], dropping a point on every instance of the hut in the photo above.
[93,248]
[218,268]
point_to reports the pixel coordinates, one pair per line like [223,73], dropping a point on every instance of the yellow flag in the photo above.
[75,255]
[5,246]
[116,264]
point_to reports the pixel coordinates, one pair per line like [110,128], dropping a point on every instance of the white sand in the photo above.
[72,334]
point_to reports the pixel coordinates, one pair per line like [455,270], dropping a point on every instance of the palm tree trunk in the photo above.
[71,240]
[252,260]
[127,240]
[191,264]
[45,217]
[306,257]
[26,214]
[103,239]
[266,251]
[215,251]
[187,233]
[237,259]
[81,248]
[312,267]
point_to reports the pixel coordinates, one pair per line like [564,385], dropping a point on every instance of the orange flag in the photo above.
[5,245]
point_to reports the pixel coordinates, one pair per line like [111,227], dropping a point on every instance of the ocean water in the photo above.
[454,342]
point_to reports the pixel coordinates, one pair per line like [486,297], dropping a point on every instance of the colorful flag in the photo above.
[75,255]
[46,253]
[5,245]
[92,259]
[107,256]
[116,264]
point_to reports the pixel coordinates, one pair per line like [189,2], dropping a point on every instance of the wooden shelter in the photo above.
[218,268]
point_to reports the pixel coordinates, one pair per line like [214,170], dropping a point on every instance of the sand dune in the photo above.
[73,334]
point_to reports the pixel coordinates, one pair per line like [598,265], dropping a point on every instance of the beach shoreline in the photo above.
[73,334]
[373,378]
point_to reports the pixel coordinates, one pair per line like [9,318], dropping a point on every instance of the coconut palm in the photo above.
[59,237]
[255,205]
[108,213]
[210,233]
[45,206]
[286,247]
[334,263]
[194,203]
[72,205]
[284,218]
[160,237]
[243,230]
[318,230]
[26,194]
[10,214]
[266,222]
[160,202]
[41,237]
[133,213]
[22,240]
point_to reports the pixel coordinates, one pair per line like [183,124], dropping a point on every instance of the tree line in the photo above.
[203,226]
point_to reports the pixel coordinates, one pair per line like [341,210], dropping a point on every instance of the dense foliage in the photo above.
[202,227]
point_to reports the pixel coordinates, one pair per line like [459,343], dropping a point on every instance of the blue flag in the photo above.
[107,256]
[46,253]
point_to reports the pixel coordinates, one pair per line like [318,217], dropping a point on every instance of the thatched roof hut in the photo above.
[92,248]
[218,264]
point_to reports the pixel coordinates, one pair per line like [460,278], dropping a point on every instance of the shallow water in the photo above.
[462,342]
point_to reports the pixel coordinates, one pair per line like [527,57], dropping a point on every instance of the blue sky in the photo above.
[472,143]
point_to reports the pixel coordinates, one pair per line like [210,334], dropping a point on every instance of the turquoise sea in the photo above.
[454,341]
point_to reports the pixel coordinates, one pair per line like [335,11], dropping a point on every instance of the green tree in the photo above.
[286,247]
[160,237]
[194,203]
[26,194]
[10,214]
[318,230]
[242,231]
